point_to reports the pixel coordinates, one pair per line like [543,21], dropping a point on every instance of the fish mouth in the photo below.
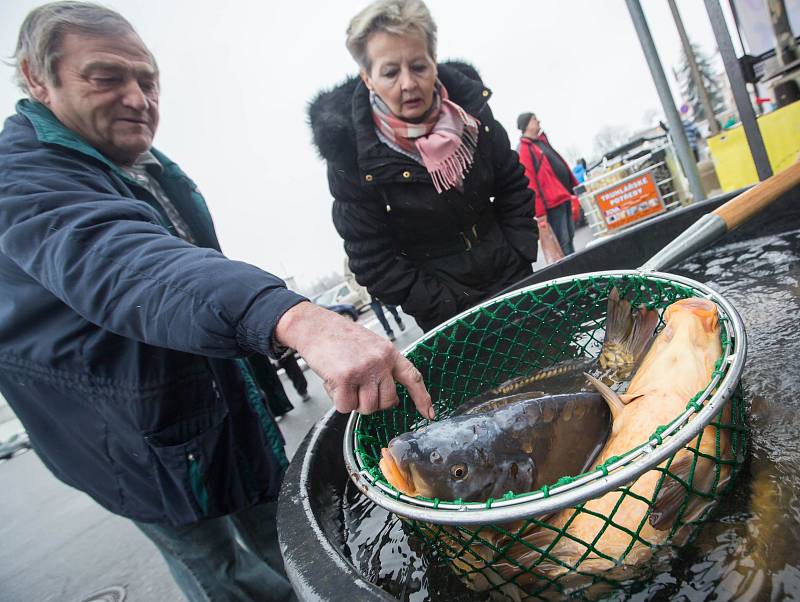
[704,309]
[396,476]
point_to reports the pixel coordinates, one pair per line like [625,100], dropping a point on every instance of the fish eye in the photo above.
[458,471]
[436,457]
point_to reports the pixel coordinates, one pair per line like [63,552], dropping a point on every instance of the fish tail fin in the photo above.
[612,399]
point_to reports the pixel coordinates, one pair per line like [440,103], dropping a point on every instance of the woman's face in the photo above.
[402,73]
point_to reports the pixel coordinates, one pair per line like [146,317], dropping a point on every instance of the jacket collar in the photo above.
[540,138]
[50,130]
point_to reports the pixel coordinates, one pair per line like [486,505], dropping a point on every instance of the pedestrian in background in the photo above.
[429,197]
[377,308]
[580,171]
[551,180]
[692,137]
[288,361]
[267,378]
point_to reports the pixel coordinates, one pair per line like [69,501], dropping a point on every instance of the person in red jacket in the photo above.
[551,180]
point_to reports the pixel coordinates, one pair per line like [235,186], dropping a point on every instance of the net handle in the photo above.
[744,206]
[732,214]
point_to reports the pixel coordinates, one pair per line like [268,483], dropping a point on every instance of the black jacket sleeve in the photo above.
[108,258]
[513,199]
[374,258]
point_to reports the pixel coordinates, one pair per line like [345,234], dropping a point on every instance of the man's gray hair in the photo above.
[398,17]
[39,43]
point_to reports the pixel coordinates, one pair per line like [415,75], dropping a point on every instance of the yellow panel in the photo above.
[781,131]
[732,160]
[731,154]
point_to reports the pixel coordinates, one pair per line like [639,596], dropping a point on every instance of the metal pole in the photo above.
[713,126]
[685,155]
[740,95]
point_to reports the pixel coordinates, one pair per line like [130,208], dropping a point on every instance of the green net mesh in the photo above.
[586,549]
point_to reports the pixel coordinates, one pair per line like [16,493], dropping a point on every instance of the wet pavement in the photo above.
[58,545]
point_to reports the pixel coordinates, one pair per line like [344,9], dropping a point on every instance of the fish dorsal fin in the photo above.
[618,317]
[612,399]
[479,407]
[626,398]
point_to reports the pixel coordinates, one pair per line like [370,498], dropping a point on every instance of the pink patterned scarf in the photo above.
[444,142]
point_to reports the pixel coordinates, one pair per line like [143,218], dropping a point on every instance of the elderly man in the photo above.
[126,336]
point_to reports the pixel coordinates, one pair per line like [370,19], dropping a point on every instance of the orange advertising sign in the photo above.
[629,201]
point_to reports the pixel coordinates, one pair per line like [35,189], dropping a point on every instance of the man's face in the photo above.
[107,92]
[533,129]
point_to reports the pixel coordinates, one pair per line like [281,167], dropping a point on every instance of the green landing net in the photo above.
[509,547]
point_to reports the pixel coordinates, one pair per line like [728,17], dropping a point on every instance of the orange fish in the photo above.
[678,365]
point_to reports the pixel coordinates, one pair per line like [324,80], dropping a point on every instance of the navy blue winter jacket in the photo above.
[122,345]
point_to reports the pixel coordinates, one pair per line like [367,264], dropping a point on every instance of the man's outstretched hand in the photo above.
[359,368]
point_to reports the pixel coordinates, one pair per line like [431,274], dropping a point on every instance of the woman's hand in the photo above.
[358,367]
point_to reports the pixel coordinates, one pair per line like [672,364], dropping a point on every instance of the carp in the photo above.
[521,444]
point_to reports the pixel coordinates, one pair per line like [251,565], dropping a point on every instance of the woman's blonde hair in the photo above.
[398,17]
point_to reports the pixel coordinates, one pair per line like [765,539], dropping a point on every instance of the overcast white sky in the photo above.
[237,75]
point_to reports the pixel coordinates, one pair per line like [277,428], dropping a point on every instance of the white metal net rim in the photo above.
[597,482]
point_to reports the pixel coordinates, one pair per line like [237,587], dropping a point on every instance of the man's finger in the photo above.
[368,398]
[407,375]
[388,394]
[345,398]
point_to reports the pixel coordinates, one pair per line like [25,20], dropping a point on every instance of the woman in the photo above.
[431,201]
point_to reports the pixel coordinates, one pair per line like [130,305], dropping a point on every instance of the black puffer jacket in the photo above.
[434,254]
